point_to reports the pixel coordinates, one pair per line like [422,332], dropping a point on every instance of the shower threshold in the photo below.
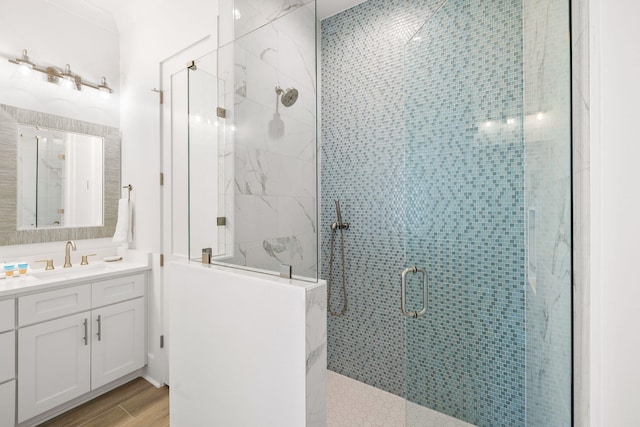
[351,403]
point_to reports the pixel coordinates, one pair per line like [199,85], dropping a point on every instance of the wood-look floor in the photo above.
[136,403]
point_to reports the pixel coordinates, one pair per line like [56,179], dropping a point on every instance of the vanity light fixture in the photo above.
[65,78]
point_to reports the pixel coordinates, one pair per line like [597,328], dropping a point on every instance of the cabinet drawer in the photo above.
[8,404]
[7,356]
[7,314]
[49,305]
[116,290]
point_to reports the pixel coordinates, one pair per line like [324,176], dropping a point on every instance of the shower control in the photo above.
[339,225]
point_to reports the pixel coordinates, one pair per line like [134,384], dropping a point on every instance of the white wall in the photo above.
[615,213]
[149,40]
[55,36]
[149,37]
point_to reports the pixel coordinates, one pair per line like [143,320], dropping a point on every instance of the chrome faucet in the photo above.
[67,253]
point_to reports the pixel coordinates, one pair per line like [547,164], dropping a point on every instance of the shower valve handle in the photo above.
[343,226]
[339,225]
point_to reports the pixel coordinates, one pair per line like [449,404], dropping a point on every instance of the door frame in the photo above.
[167,68]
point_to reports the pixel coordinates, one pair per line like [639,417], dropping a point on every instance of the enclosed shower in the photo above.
[416,155]
[446,137]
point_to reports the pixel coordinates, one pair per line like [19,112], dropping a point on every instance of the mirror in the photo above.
[82,196]
[59,178]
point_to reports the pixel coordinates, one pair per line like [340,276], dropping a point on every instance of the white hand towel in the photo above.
[123,227]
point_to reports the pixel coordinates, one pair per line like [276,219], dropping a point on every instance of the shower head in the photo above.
[289,96]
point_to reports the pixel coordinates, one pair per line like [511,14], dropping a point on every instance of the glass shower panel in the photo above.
[547,136]
[207,133]
[270,184]
[481,165]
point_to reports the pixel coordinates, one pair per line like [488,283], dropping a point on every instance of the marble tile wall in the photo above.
[274,146]
[316,355]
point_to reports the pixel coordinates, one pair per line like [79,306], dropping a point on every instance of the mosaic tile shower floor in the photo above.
[351,403]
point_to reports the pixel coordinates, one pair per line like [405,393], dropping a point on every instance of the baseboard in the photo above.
[156,384]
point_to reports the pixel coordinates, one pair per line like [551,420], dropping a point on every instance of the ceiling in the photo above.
[112,14]
[327,8]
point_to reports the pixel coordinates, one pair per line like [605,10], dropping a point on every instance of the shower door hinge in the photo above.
[161,260]
[161,341]
[221,112]
[161,178]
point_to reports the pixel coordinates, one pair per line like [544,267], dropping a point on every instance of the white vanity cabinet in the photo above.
[118,341]
[54,364]
[7,362]
[77,339]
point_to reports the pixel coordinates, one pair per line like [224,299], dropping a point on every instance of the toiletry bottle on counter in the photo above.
[22,268]
[8,269]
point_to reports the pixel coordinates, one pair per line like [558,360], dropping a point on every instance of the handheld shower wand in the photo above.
[334,227]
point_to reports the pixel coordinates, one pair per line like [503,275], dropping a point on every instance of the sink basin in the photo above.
[75,271]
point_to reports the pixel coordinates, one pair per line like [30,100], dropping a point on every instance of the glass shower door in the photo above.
[487,196]
[206,144]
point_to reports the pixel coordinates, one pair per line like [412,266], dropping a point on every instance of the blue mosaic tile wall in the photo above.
[363,167]
[422,142]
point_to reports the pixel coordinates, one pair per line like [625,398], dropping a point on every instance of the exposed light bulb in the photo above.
[540,116]
[67,80]
[103,87]
[510,121]
[25,66]
[488,124]
[25,70]
[66,83]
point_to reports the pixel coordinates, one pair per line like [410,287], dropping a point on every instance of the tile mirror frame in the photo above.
[10,117]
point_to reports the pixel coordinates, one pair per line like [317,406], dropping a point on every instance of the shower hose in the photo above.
[344,284]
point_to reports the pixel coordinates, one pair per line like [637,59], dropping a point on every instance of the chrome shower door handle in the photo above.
[403,292]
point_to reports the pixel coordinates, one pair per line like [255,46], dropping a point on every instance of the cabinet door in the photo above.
[54,364]
[118,341]
[7,356]
[8,404]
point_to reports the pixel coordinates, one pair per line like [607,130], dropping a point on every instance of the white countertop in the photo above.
[38,280]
